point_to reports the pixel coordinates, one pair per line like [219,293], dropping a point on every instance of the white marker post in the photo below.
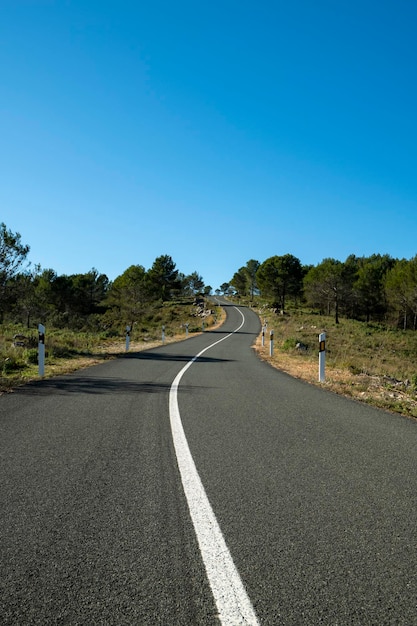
[263,336]
[41,350]
[186,330]
[271,343]
[127,338]
[163,334]
[322,357]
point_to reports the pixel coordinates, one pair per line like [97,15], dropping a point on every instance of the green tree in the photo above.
[348,297]
[88,292]
[412,289]
[225,288]
[239,281]
[279,277]
[401,289]
[369,285]
[163,278]
[12,255]
[128,295]
[26,304]
[193,283]
[244,280]
[44,284]
[48,296]
[324,285]
[251,269]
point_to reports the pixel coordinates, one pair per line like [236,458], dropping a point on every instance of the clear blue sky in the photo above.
[215,132]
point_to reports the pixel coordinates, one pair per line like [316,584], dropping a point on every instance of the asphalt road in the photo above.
[314,494]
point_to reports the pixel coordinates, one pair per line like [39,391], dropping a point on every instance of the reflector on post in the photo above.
[41,350]
[322,356]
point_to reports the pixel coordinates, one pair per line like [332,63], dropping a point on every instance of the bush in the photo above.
[32,356]
[11,365]
[110,333]
[289,343]
[62,352]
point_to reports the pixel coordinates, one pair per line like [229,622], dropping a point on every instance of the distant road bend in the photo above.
[194,484]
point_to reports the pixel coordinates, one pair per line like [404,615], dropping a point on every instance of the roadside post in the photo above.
[271,343]
[186,330]
[127,338]
[163,334]
[322,357]
[263,336]
[41,350]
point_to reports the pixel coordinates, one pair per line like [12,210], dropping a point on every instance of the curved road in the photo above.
[161,488]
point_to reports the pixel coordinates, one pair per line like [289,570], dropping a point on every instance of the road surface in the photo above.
[161,488]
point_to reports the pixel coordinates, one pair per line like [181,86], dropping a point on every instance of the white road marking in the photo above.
[233,604]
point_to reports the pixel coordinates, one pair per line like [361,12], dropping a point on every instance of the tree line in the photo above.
[376,288]
[91,300]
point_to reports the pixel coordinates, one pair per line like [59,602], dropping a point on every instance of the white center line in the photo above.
[233,604]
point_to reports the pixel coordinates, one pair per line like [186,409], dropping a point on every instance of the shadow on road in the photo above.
[95,385]
[165,356]
[231,332]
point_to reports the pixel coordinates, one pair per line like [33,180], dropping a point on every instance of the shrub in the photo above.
[32,356]
[289,343]
[11,364]
[62,352]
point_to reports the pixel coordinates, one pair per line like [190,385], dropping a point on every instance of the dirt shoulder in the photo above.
[380,391]
[385,392]
[107,350]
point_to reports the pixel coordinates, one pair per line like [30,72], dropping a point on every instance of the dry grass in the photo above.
[109,349]
[365,362]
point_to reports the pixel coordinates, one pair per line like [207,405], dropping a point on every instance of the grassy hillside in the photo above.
[68,350]
[369,362]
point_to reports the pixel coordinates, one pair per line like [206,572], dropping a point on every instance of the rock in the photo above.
[19,341]
[301,347]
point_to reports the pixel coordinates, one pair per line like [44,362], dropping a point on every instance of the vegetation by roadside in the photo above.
[366,361]
[68,351]
[370,362]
